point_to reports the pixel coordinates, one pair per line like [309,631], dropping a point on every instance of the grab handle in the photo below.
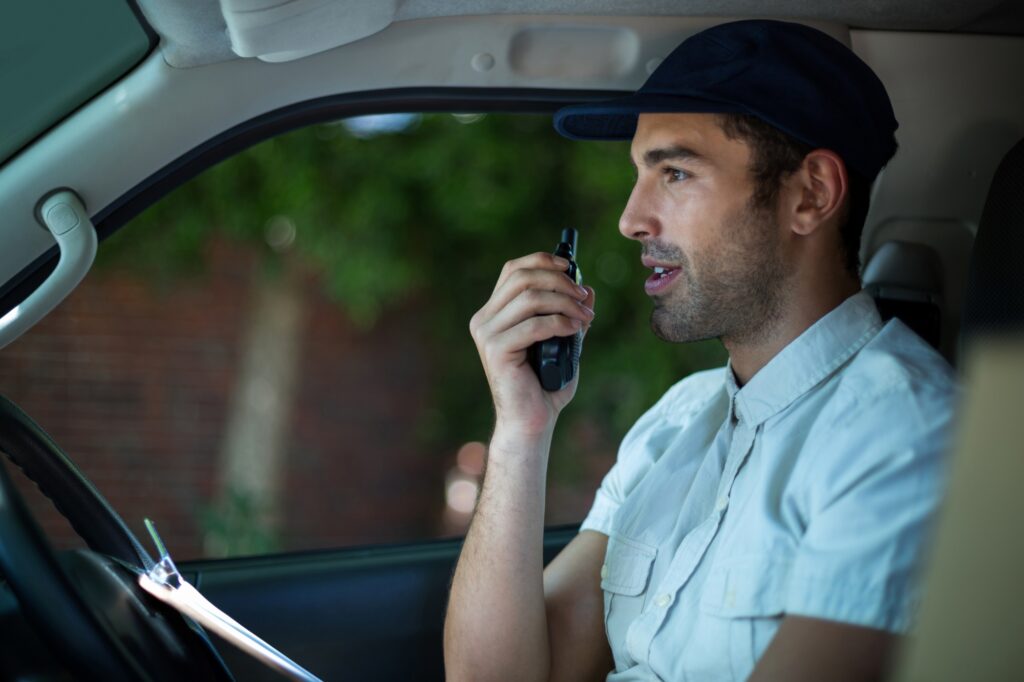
[64,216]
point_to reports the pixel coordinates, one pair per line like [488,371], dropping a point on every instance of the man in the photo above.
[764,519]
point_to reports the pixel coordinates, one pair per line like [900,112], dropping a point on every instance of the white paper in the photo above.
[188,600]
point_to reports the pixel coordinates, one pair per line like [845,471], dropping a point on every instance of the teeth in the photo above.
[660,271]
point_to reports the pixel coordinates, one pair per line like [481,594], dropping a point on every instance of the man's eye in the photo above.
[675,175]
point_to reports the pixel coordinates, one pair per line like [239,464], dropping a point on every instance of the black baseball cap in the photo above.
[796,78]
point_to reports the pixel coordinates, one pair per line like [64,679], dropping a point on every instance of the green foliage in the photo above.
[428,216]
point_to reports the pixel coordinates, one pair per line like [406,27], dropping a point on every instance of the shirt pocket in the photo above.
[624,578]
[745,602]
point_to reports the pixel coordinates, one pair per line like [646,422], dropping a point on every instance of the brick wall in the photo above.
[133,381]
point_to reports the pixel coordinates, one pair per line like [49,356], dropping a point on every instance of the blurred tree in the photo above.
[430,212]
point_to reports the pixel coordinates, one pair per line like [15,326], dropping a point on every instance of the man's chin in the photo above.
[674,330]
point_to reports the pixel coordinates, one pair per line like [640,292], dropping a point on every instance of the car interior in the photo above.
[120,104]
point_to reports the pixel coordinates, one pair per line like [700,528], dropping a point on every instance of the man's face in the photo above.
[691,210]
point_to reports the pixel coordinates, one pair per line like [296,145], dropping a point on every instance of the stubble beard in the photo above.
[734,294]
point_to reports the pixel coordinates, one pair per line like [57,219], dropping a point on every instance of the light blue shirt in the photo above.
[808,491]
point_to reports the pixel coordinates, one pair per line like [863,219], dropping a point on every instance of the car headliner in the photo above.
[199,32]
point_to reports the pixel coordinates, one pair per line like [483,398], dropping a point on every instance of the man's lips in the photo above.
[660,279]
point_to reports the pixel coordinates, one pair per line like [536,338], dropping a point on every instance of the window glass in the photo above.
[276,356]
[66,52]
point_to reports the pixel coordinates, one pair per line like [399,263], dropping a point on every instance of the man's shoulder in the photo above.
[899,374]
[899,360]
[880,424]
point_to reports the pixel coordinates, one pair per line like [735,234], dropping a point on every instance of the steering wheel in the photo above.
[87,605]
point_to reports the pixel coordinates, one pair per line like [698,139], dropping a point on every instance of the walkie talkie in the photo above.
[556,359]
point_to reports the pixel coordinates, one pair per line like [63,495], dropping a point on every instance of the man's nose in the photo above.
[637,220]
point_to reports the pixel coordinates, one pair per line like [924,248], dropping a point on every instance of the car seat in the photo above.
[994,303]
[969,623]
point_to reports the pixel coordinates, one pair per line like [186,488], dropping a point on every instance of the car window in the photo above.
[276,356]
[66,52]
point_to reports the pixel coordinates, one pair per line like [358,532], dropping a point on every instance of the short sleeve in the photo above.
[629,468]
[870,499]
[644,442]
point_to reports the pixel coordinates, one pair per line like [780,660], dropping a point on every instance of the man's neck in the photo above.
[748,358]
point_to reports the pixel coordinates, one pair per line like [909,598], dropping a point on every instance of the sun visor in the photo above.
[276,31]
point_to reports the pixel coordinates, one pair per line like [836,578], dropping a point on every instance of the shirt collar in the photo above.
[807,360]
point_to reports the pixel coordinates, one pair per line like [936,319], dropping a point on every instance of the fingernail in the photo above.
[561,262]
[583,290]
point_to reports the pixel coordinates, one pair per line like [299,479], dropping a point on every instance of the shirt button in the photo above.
[604,571]
[722,503]
[663,600]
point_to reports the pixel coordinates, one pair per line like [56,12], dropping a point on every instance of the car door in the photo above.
[359,613]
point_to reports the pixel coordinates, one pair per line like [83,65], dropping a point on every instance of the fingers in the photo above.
[535,261]
[528,332]
[533,302]
[588,303]
[524,279]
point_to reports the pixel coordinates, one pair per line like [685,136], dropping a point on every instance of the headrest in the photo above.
[905,279]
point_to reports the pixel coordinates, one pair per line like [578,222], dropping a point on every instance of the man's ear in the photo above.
[816,191]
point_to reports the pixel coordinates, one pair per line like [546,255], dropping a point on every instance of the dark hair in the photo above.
[777,155]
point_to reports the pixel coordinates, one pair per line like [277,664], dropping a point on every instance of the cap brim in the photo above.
[616,119]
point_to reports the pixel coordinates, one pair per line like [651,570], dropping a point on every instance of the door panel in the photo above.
[367,613]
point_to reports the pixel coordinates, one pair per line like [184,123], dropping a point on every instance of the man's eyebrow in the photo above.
[653,157]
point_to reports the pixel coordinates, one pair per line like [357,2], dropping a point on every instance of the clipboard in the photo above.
[165,583]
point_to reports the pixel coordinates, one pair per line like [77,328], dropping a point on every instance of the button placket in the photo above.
[693,548]
[743,443]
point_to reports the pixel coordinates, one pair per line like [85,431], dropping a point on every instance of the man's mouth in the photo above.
[661,278]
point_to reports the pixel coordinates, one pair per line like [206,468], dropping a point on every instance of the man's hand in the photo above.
[533,300]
